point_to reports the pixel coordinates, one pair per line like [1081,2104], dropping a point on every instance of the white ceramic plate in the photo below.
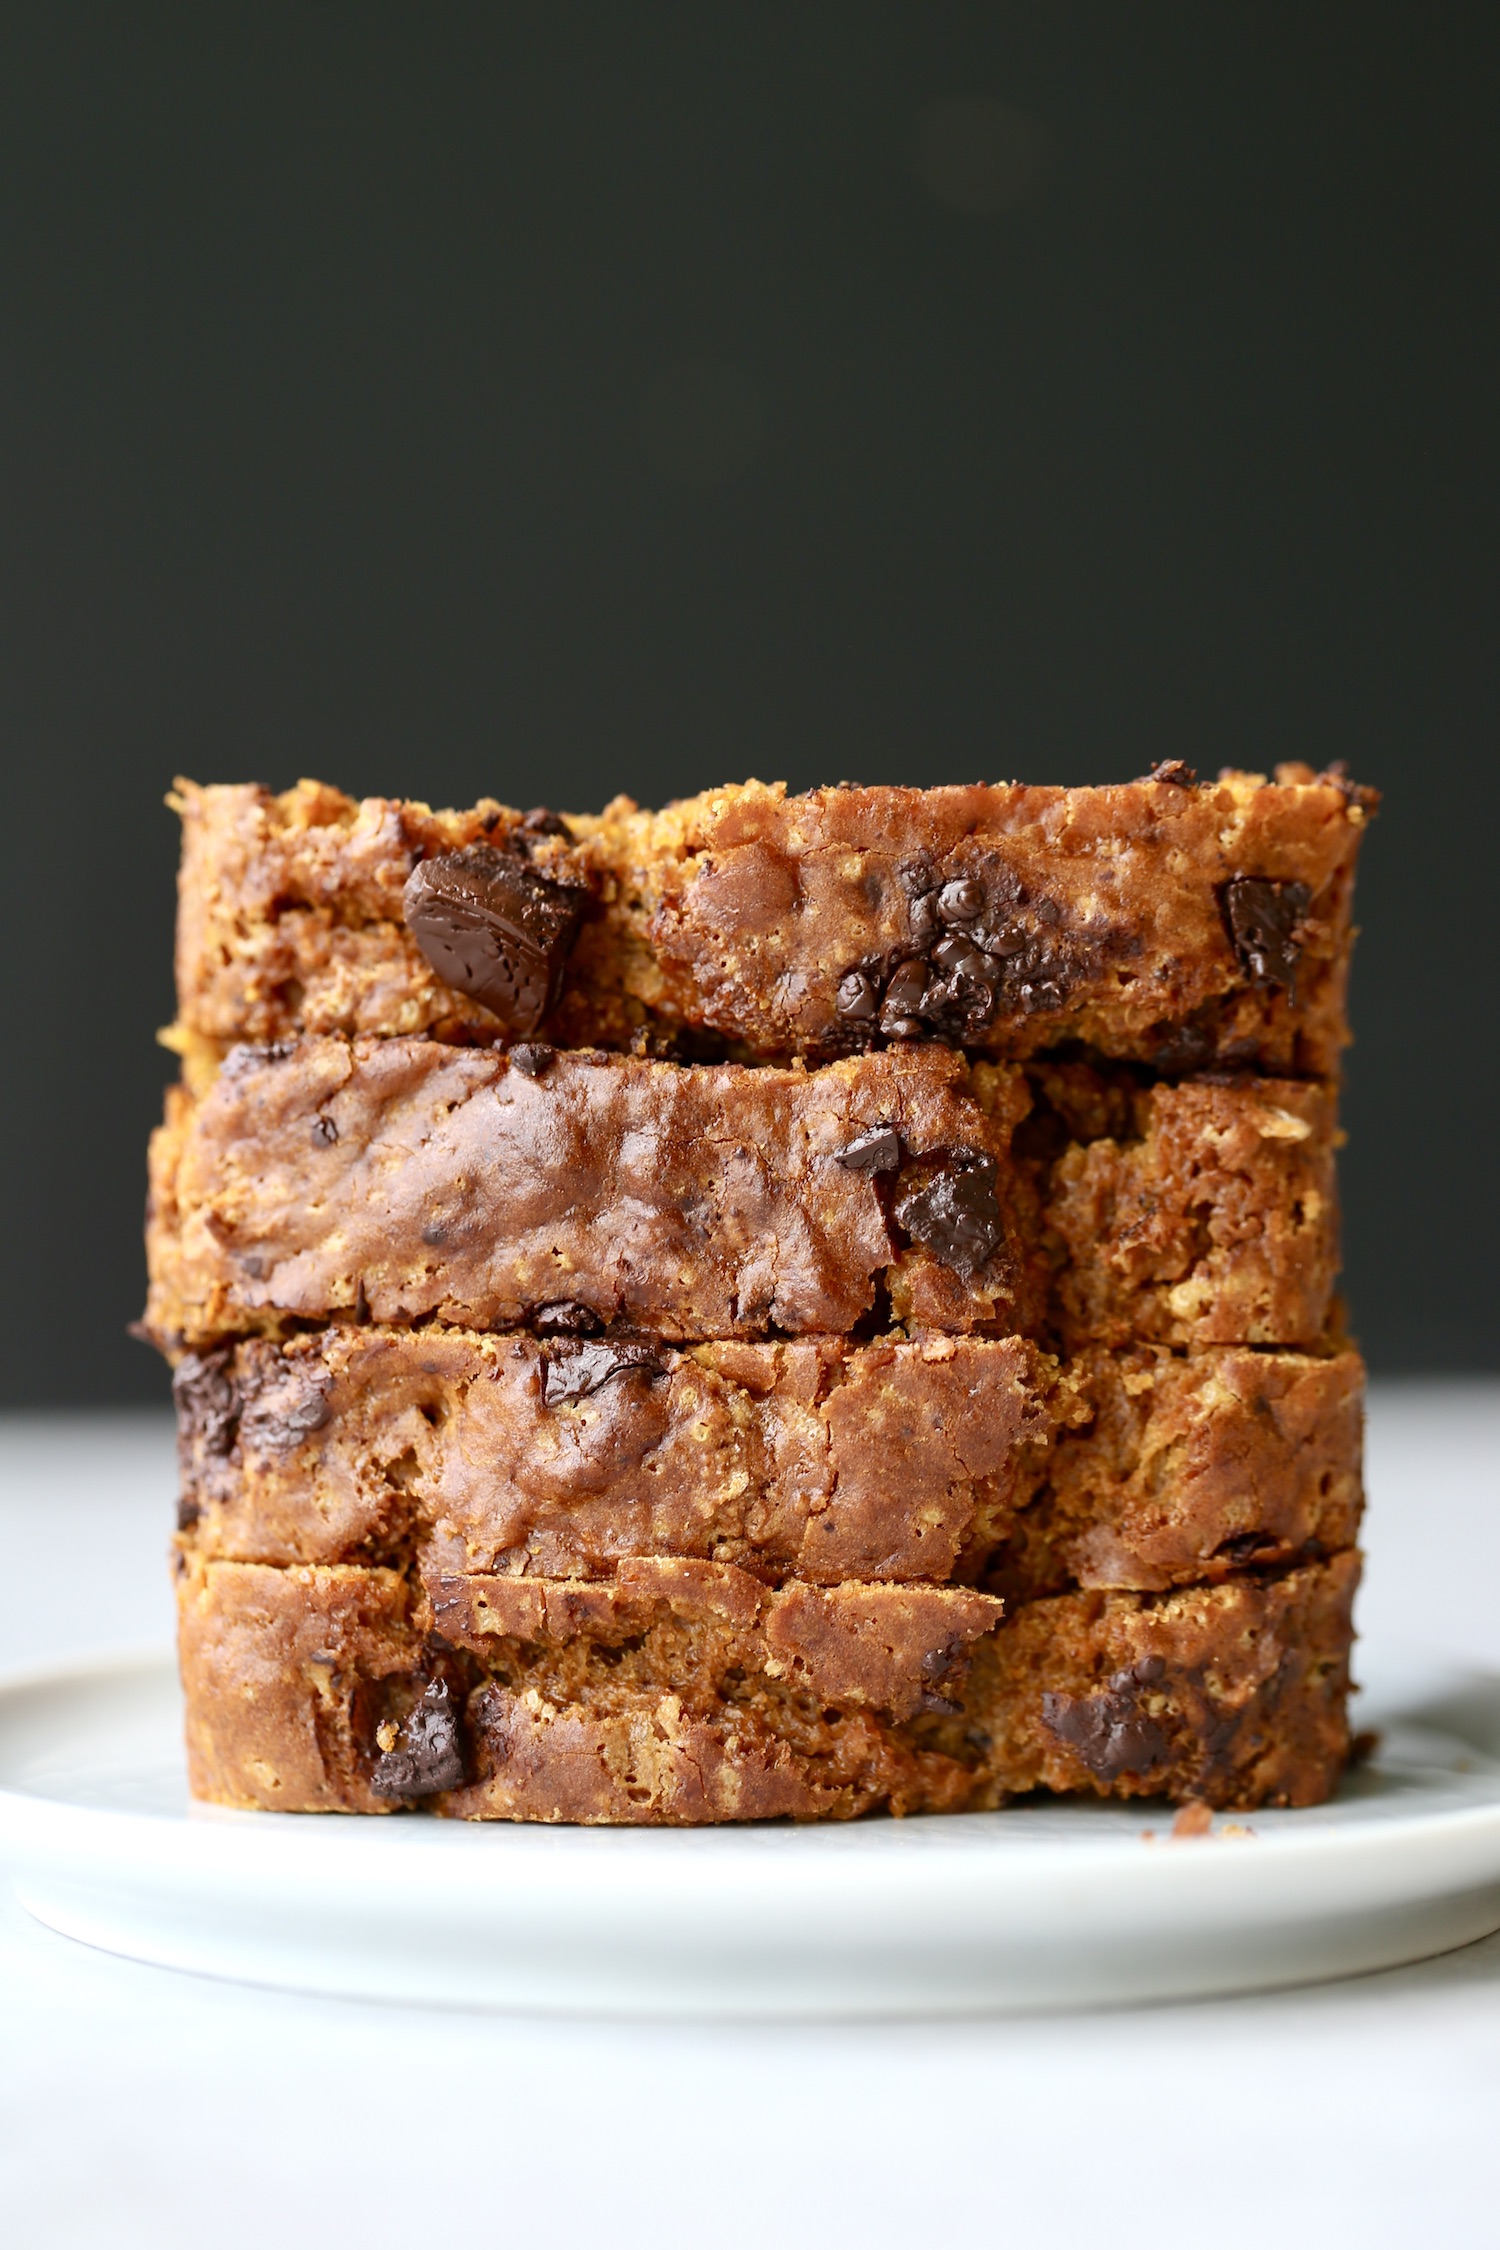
[1048,1905]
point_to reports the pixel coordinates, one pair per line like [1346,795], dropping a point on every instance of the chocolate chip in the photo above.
[943,1668]
[1173,770]
[287,1411]
[566,1318]
[856,1000]
[955,1214]
[207,1401]
[1109,1731]
[903,1027]
[903,995]
[493,928]
[962,901]
[188,1512]
[531,1058]
[879,1150]
[577,1370]
[958,956]
[428,1755]
[1263,919]
[325,1130]
[540,822]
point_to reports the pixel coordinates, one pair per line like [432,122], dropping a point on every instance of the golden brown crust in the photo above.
[403,1180]
[687,1692]
[944,1458]
[739,915]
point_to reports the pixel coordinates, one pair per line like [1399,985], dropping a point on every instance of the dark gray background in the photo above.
[563,399]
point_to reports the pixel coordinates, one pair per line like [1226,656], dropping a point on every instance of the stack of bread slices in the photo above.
[784,1306]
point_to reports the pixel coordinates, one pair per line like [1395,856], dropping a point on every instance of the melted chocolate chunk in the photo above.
[955,1214]
[1110,1731]
[531,1058]
[856,998]
[540,822]
[943,1668]
[207,1402]
[962,901]
[879,1150]
[975,945]
[428,1755]
[1173,770]
[325,1131]
[577,1370]
[566,1318]
[288,1411]
[1263,919]
[495,929]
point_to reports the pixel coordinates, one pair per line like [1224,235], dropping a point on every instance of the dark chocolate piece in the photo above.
[207,1402]
[1173,770]
[1263,918]
[282,1416]
[566,1318]
[325,1129]
[1110,1731]
[577,1370]
[428,1756]
[494,929]
[879,1150]
[540,822]
[531,1058]
[956,1214]
[856,1000]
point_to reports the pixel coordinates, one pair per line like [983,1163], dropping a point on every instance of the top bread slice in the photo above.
[1163,922]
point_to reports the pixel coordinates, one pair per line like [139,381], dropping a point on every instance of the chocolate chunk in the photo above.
[428,1755]
[531,1058]
[290,1410]
[856,997]
[903,995]
[188,1512]
[493,928]
[1263,919]
[540,822]
[943,1668]
[325,1130]
[207,1402]
[962,901]
[566,1318]
[1110,1732]
[956,956]
[577,1370]
[1172,769]
[879,1150]
[955,1214]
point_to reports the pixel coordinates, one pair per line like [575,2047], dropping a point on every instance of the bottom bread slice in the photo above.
[680,1692]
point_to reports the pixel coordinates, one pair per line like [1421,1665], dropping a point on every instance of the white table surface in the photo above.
[142,2107]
